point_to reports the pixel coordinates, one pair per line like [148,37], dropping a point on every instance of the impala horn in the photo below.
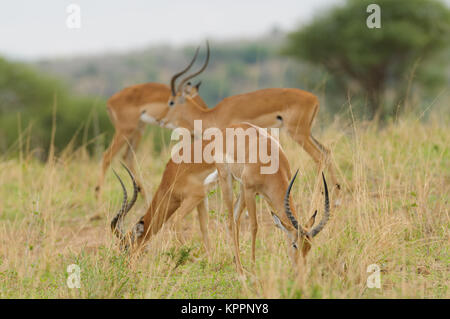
[116,223]
[326,214]
[186,79]
[287,207]
[323,221]
[177,75]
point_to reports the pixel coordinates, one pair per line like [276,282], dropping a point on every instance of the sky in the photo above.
[31,30]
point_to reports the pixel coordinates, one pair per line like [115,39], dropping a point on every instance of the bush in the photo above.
[31,103]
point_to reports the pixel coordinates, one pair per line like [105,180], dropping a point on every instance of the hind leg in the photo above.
[129,158]
[226,184]
[117,142]
[320,155]
[249,196]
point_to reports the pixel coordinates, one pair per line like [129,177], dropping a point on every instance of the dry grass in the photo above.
[395,214]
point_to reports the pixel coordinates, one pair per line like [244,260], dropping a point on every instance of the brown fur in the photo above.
[297,109]
[125,108]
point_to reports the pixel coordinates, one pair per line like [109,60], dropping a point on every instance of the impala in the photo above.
[183,187]
[291,109]
[131,108]
[275,188]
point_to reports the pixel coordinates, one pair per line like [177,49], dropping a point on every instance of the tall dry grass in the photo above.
[394,213]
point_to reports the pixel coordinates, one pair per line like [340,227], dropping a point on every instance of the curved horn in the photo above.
[180,86]
[116,223]
[287,206]
[326,214]
[177,75]
[135,189]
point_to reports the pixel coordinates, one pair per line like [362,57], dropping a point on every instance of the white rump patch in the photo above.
[211,178]
[169,126]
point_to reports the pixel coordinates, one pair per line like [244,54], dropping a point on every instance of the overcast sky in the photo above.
[37,29]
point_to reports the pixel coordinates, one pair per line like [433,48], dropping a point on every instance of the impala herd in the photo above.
[185,185]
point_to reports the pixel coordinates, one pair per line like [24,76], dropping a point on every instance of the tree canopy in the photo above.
[411,33]
[31,102]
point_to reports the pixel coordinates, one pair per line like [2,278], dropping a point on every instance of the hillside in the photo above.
[235,67]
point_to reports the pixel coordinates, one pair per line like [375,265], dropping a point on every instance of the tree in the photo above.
[411,33]
[28,99]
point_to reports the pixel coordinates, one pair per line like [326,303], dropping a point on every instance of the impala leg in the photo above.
[320,155]
[328,162]
[203,220]
[251,208]
[116,144]
[128,158]
[226,184]
[238,209]
[185,209]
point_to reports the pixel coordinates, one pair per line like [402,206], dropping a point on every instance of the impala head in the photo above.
[192,89]
[299,237]
[117,221]
[185,90]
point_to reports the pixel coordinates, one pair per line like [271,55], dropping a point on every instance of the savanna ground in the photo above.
[394,213]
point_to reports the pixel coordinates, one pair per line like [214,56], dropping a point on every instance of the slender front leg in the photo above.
[203,220]
[238,209]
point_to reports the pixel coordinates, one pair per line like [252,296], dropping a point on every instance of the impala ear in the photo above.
[197,86]
[311,221]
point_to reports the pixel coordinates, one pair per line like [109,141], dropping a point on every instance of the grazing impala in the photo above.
[292,109]
[183,187]
[132,107]
[275,188]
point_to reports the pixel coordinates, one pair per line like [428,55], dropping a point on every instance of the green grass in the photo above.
[395,214]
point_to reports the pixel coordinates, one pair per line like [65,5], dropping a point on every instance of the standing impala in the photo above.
[292,109]
[132,107]
[183,185]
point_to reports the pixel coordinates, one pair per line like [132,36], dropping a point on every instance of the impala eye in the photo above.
[294,245]
[171,103]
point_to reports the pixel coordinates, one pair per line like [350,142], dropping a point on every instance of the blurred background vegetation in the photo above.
[401,67]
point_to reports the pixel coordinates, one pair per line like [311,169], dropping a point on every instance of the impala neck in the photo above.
[159,211]
[191,112]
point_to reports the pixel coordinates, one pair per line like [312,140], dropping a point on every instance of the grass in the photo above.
[394,213]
